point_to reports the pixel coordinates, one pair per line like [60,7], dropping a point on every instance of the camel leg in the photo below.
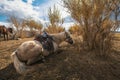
[34,60]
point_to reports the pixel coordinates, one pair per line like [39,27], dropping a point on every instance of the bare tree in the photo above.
[19,24]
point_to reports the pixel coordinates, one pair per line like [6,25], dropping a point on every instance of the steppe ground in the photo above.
[69,64]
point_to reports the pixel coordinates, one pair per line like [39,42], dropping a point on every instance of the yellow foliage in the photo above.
[54,29]
[107,24]
[55,20]
[76,29]
[34,25]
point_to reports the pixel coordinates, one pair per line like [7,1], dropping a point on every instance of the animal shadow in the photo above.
[9,73]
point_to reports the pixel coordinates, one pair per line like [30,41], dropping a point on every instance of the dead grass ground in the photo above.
[70,64]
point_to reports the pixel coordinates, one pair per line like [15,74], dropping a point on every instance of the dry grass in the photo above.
[117,36]
[54,29]
[69,64]
[76,29]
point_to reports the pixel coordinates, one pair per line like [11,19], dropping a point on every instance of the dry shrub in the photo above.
[22,25]
[77,37]
[94,16]
[19,24]
[103,38]
[116,36]
[28,34]
[99,38]
[76,29]
[56,21]
[33,25]
[78,41]
[54,29]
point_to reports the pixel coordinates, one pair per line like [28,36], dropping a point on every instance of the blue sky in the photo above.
[4,16]
[37,2]
[35,9]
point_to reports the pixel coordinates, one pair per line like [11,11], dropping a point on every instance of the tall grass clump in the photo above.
[56,21]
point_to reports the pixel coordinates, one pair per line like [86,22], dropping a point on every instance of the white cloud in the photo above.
[25,10]
[68,25]
[43,8]
[18,8]
[6,24]
[30,1]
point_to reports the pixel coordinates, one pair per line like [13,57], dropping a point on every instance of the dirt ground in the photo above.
[69,64]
